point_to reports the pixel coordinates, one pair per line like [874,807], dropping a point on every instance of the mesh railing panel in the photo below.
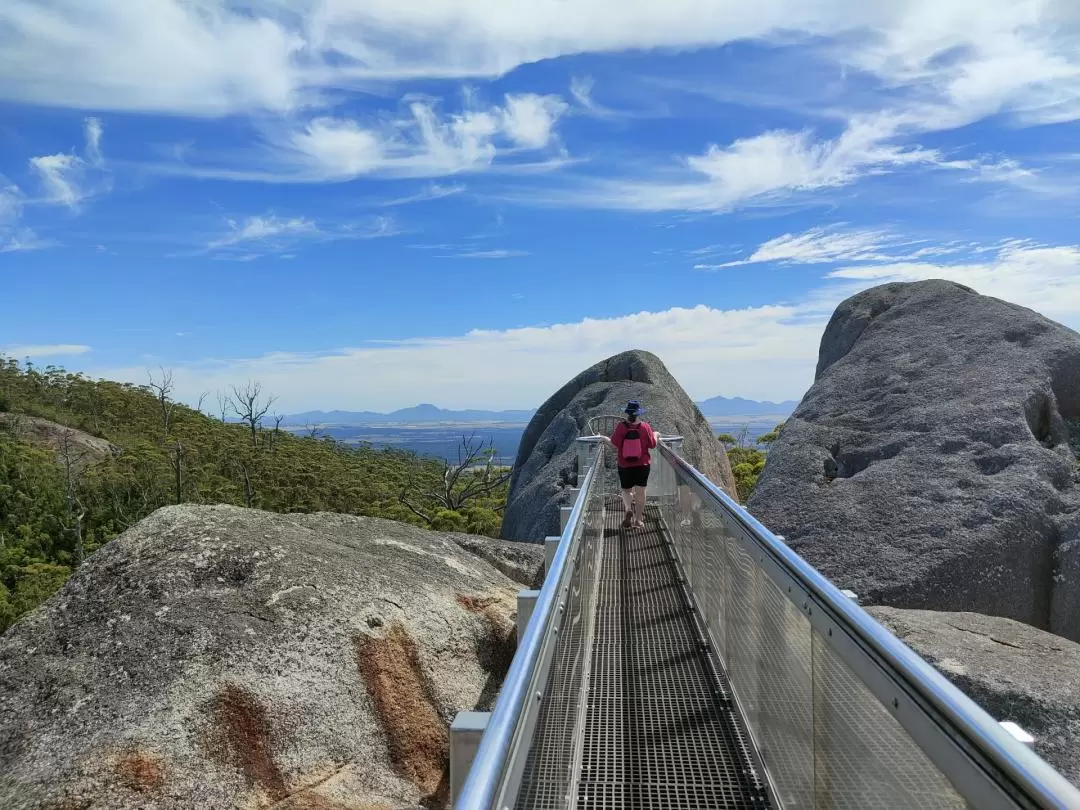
[825,740]
[863,759]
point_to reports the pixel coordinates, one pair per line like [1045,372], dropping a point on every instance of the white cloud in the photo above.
[55,350]
[831,245]
[764,352]
[487,254]
[93,141]
[529,119]
[761,167]
[433,191]
[213,57]
[254,229]
[817,245]
[423,144]
[69,179]
[253,237]
[15,237]
[61,176]
[172,56]
[1043,278]
[419,142]
[20,240]
[760,352]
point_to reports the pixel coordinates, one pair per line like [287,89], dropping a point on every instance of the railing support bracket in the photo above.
[526,602]
[465,734]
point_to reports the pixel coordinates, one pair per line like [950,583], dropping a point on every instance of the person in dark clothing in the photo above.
[633,439]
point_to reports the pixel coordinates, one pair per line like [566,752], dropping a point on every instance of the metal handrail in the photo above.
[1028,771]
[485,776]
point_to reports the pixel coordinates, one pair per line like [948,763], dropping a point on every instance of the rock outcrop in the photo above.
[1013,671]
[224,657]
[930,465]
[67,443]
[546,465]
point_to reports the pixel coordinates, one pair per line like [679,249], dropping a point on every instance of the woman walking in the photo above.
[633,439]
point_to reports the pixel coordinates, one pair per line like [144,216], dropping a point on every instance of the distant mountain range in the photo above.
[418,413]
[716,406]
[737,406]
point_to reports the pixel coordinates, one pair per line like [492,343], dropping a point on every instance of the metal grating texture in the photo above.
[660,728]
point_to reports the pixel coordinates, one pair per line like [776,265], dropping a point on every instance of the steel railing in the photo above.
[843,713]
[498,767]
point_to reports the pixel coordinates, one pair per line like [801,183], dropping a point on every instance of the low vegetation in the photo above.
[61,501]
[746,458]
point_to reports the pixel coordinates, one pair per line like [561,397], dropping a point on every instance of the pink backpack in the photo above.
[631,446]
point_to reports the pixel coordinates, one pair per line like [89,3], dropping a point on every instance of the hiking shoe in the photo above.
[628,518]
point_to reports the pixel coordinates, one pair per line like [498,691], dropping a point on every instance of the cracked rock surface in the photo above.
[546,466]
[933,463]
[218,657]
[1013,671]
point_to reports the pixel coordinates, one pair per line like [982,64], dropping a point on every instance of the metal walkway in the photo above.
[660,728]
[700,663]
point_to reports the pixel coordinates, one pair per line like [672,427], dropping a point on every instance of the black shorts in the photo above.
[630,477]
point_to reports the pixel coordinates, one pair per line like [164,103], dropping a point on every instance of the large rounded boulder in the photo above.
[546,467]
[224,657]
[933,463]
[1013,671]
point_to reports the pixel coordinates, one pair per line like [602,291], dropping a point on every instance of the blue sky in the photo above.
[372,204]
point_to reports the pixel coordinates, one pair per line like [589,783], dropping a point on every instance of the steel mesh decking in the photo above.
[660,730]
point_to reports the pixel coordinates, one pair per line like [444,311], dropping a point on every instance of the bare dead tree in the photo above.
[202,399]
[178,469]
[224,403]
[71,457]
[249,485]
[313,431]
[251,407]
[473,476]
[277,430]
[163,392]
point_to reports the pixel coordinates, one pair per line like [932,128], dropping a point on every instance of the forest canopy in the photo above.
[111,453]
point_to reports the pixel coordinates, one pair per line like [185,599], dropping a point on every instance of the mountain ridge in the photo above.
[426,412]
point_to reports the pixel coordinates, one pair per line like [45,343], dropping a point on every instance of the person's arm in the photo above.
[654,437]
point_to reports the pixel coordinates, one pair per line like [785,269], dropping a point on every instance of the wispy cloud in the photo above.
[253,237]
[67,178]
[21,240]
[487,254]
[94,131]
[773,166]
[45,350]
[975,57]
[432,191]
[700,345]
[419,141]
[14,236]
[1043,277]
[832,245]
[256,229]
